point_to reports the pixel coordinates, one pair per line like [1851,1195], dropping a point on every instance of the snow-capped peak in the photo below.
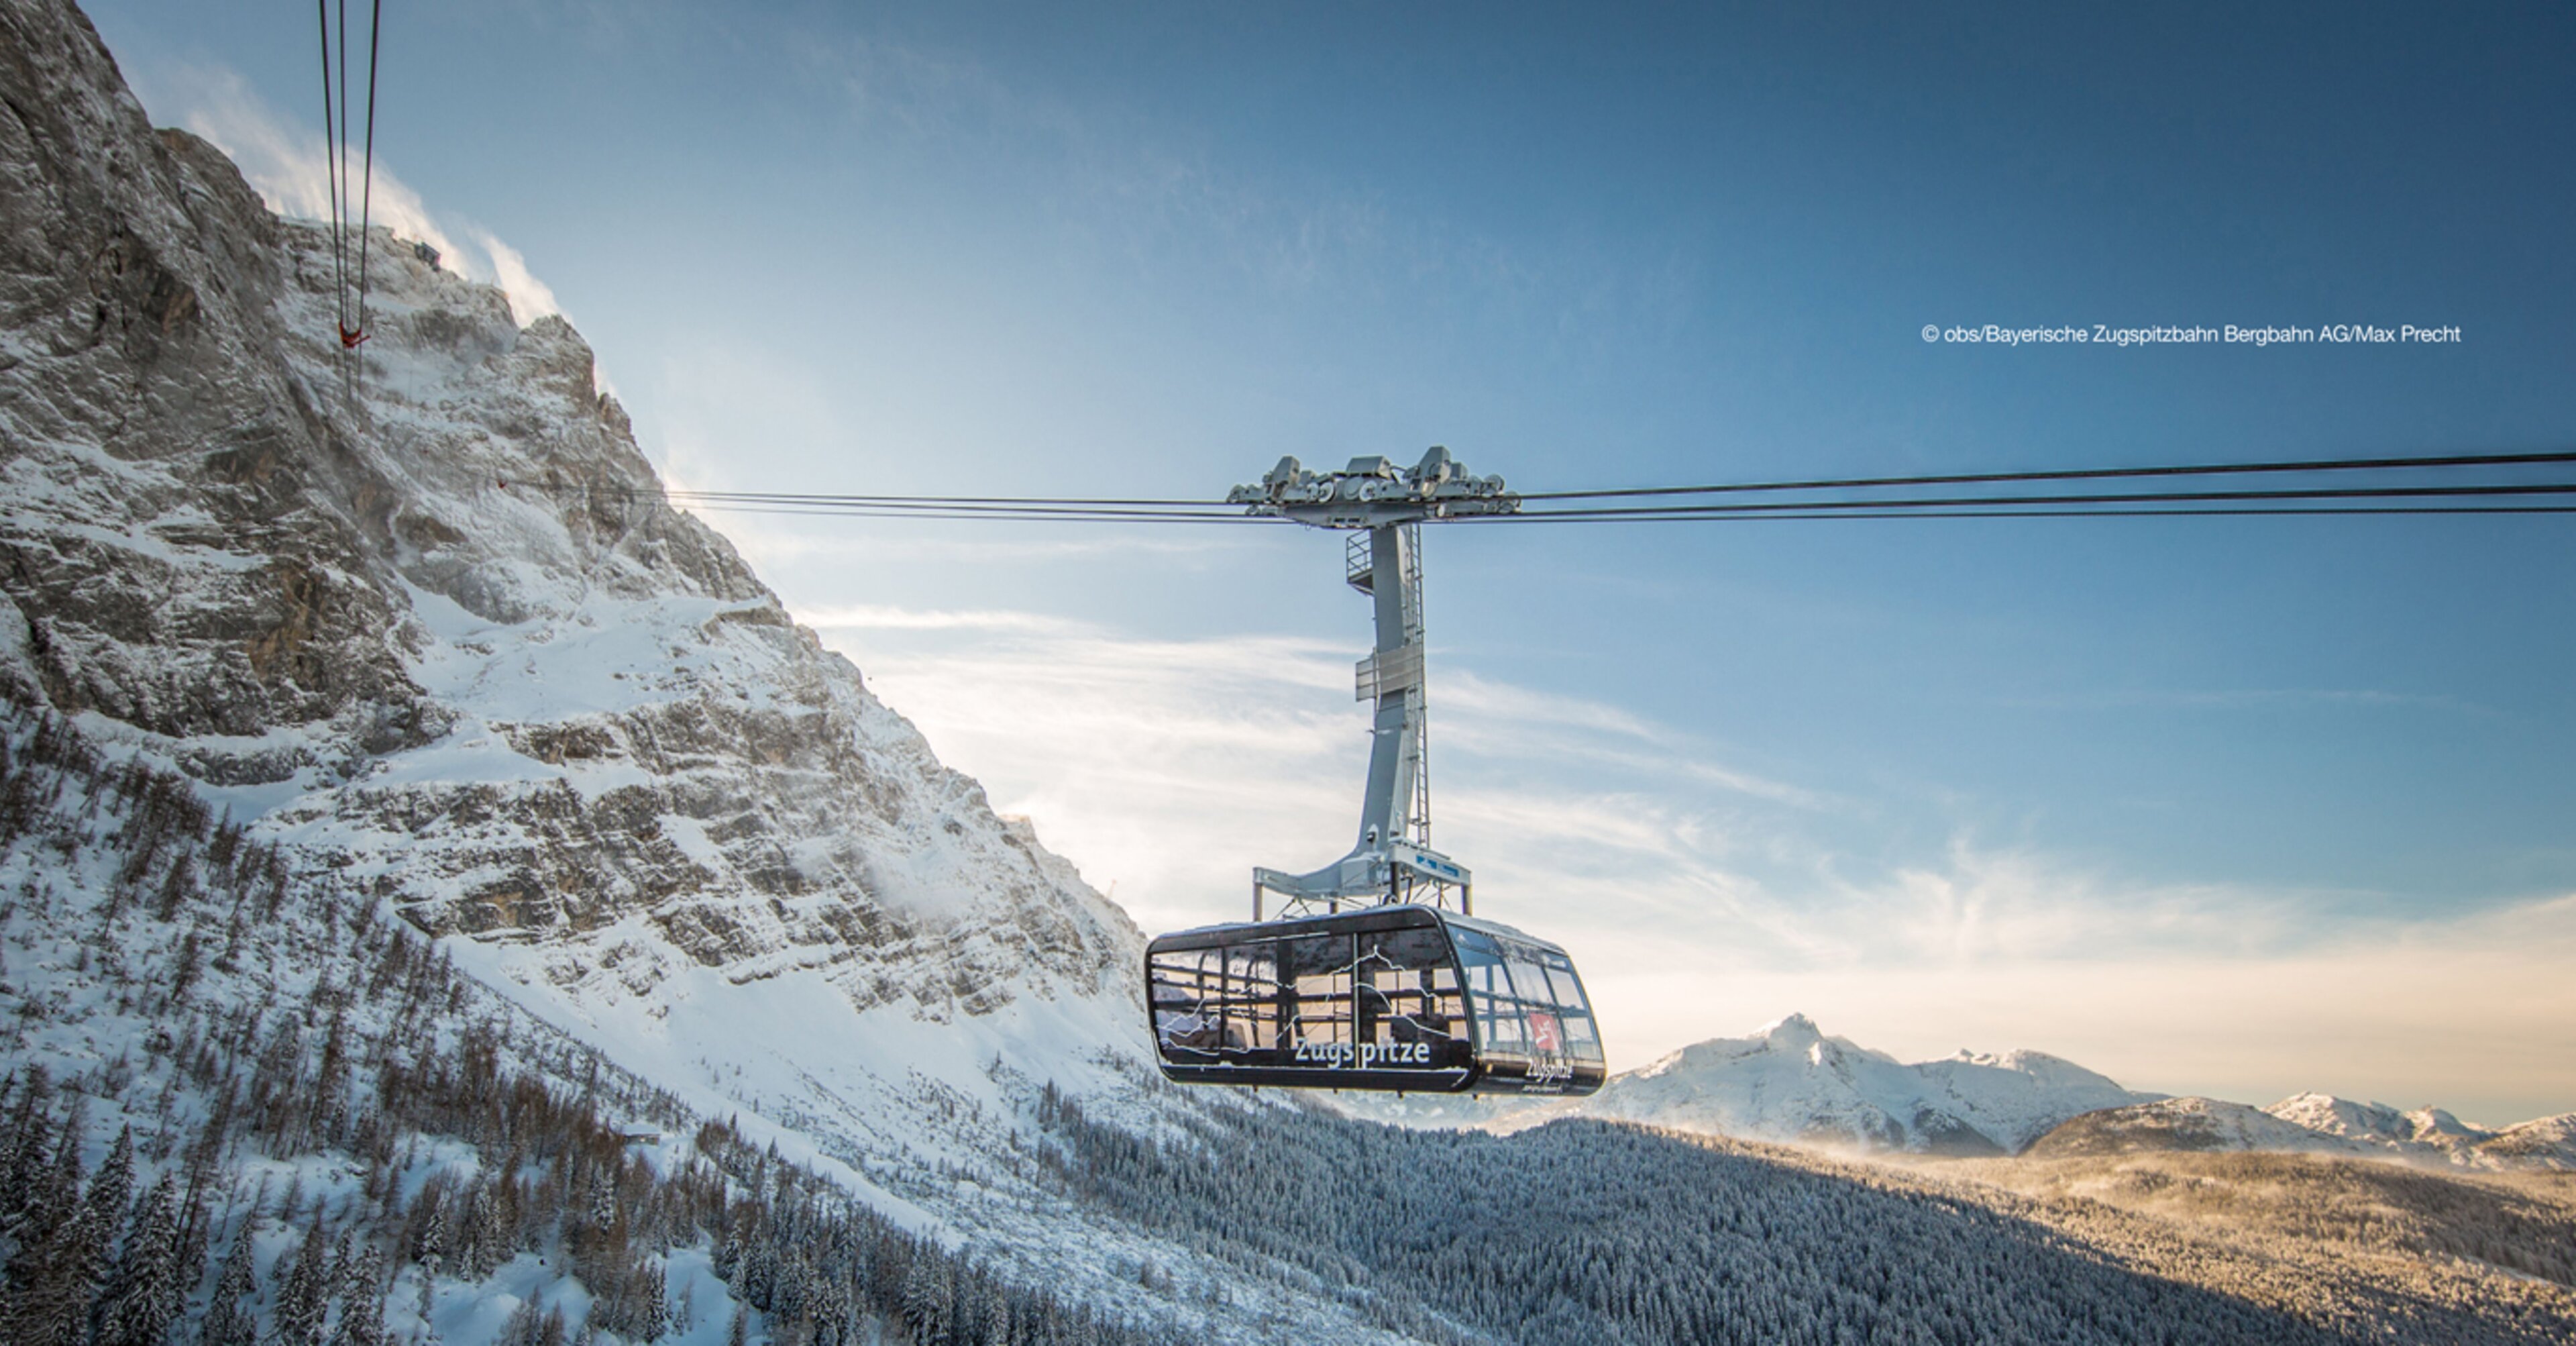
[1790,1080]
[1794,1032]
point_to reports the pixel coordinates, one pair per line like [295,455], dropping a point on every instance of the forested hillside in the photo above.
[244,1110]
[1586,1231]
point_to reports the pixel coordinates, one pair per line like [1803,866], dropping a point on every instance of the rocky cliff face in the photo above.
[423,611]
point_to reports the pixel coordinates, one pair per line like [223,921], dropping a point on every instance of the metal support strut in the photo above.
[1383,507]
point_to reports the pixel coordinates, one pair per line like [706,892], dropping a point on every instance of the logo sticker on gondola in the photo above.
[1367,1055]
[1543,1033]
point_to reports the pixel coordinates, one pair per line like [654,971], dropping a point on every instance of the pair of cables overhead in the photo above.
[1027,509]
[347,275]
[2494,483]
[2450,484]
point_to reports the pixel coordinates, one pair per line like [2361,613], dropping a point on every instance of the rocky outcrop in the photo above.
[423,611]
[184,544]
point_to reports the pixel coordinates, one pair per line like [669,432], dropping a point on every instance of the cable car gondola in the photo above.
[1375,974]
[1397,996]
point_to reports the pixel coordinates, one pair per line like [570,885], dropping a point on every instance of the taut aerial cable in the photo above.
[350,309]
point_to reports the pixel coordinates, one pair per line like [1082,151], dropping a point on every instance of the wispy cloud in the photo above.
[1577,728]
[891,540]
[2475,1013]
[1703,899]
[864,617]
[288,164]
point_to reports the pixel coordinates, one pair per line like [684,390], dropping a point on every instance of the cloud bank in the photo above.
[1702,899]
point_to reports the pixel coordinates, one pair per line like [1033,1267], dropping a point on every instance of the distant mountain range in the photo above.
[2312,1124]
[1792,1082]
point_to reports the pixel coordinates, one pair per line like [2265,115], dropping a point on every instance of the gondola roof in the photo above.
[1230,931]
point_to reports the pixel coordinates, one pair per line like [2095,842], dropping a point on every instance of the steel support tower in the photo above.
[1382,506]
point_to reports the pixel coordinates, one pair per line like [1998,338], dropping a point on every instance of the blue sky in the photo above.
[2244,806]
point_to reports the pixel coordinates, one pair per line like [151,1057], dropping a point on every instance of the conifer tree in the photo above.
[302,1291]
[926,1305]
[228,1321]
[430,1250]
[520,1328]
[478,1252]
[29,1145]
[50,1284]
[112,1191]
[144,1295]
[362,1299]
[997,1317]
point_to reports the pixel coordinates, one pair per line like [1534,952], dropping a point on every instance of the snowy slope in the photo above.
[162,985]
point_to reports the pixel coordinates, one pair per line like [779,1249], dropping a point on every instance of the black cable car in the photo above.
[1398,996]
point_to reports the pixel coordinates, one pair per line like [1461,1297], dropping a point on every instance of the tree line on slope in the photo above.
[142,923]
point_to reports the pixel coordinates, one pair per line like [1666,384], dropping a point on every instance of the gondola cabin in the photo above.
[1396,997]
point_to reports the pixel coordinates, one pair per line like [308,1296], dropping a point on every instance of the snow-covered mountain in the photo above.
[420,617]
[2314,1123]
[2543,1142]
[1791,1082]
[2186,1124]
[423,615]
[2426,1130]
[371,1146]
